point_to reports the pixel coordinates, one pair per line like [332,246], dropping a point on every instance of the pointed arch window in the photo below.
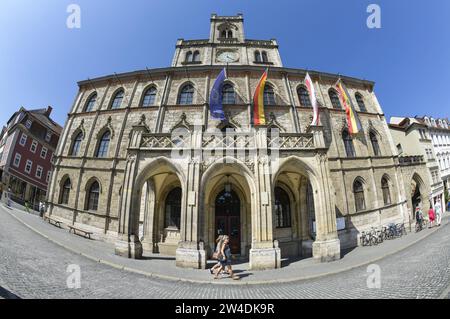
[386,191]
[230,34]
[65,192]
[360,101]
[149,97]
[334,97]
[282,208]
[348,144]
[196,56]
[173,208]
[91,103]
[76,145]
[358,192]
[375,144]
[303,97]
[264,56]
[103,146]
[186,95]
[228,95]
[269,95]
[258,56]
[117,101]
[93,196]
[189,56]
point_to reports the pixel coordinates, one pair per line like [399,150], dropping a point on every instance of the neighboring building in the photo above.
[27,145]
[417,136]
[117,172]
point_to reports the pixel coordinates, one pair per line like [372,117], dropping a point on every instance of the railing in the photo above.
[291,141]
[230,140]
[235,140]
[410,160]
[165,140]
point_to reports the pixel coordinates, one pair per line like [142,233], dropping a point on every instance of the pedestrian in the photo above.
[419,219]
[431,216]
[225,261]
[216,253]
[438,212]
[8,197]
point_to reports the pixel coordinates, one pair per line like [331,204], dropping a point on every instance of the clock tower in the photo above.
[226,45]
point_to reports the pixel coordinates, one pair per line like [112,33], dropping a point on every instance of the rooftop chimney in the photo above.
[49,110]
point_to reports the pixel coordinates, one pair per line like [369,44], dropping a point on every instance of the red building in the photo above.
[27,144]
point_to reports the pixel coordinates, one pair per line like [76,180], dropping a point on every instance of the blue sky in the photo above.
[41,59]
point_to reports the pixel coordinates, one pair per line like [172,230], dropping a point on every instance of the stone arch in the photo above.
[181,87]
[223,171]
[155,179]
[295,175]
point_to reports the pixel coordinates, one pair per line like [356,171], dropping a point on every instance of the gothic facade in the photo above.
[142,164]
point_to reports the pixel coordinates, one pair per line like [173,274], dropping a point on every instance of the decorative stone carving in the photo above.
[273,123]
[183,123]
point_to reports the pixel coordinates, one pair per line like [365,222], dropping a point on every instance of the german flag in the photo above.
[259,117]
[353,122]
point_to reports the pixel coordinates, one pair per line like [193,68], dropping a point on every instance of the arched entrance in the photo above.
[228,218]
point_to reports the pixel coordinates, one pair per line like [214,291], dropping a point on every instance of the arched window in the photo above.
[196,57]
[65,192]
[358,191]
[189,56]
[334,97]
[117,101]
[228,94]
[149,97]
[360,101]
[264,56]
[186,95]
[258,56]
[93,196]
[103,146]
[223,34]
[303,96]
[91,103]
[75,150]
[386,192]
[348,144]
[282,208]
[375,144]
[230,34]
[173,208]
[269,95]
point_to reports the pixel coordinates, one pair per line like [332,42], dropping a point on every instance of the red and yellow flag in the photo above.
[353,122]
[259,117]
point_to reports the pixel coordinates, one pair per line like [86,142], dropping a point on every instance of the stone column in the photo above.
[148,242]
[190,252]
[128,244]
[264,253]
[327,244]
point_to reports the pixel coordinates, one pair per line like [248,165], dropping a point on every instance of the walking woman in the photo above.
[219,242]
[225,261]
[431,216]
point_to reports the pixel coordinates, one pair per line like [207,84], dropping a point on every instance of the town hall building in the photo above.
[141,162]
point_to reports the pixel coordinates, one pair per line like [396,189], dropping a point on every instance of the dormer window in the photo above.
[28,124]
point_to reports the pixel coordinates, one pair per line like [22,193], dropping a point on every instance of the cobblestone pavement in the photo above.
[33,267]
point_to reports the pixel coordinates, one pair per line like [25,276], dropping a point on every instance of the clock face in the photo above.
[228,57]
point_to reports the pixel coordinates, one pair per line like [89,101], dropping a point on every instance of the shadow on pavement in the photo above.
[7,294]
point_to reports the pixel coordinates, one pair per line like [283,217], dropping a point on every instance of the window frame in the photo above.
[102,151]
[44,150]
[385,189]
[349,147]
[186,97]
[302,98]
[93,197]
[64,197]
[269,98]
[23,137]
[34,146]
[359,196]
[360,101]
[30,164]
[151,91]
[40,170]
[19,157]
[90,104]
[114,104]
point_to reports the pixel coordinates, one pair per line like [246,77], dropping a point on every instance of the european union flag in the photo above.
[216,96]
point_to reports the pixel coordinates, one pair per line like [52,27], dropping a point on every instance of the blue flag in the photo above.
[216,96]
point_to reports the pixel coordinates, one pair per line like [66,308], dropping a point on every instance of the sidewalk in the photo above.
[163,267]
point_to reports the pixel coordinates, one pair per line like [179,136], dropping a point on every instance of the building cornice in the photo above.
[203,68]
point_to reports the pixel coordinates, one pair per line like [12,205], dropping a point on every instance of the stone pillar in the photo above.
[190,252]
[128,244]
[264,253]
[148,242]
[327,245]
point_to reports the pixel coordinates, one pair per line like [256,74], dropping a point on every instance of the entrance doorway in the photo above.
[415,197]
[228,218]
